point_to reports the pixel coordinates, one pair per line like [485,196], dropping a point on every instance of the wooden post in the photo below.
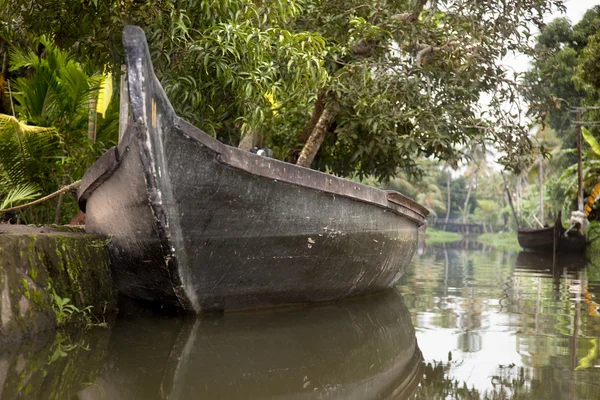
[541,189]
[124,103]
[579,167]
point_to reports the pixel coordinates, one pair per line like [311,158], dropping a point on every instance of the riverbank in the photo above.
[52,277]
[500,241]
[435,236]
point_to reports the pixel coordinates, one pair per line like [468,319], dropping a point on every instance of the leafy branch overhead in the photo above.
[351,87]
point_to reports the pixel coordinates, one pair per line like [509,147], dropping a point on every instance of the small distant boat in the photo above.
[551,239]
[198,225]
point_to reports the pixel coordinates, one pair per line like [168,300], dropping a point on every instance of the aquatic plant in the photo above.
[65,310]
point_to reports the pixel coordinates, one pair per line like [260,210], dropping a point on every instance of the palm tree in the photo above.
[52,116]
[478,166]
[22,150]
[424,190]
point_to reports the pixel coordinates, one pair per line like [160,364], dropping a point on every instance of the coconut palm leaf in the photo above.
[57,92]
[20,194]
[23,149]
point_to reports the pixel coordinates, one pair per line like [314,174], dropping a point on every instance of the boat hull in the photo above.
[544,239]
[200,226]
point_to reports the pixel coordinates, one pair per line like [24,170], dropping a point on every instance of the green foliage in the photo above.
[62,346]
[425,190]
[435,236]
[565,75]
[22,150]
[487,212]
[594,231]
[501,241]
[590,171]
[552,83]
[65,311]
[591,140]
[407,79]
[19,194]
[46,144]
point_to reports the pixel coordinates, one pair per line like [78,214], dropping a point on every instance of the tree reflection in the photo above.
[488,306]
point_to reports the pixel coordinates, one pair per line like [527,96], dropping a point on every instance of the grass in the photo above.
[501,241]
[434,236]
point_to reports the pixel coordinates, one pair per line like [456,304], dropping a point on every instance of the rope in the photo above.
[38,201]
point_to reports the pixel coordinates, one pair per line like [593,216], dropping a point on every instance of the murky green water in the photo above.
[511,324]
[465,322]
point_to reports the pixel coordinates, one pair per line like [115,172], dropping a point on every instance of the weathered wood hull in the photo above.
[543,239]
[199,225]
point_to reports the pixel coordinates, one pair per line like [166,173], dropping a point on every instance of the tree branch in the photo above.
[425,49]
[413,16]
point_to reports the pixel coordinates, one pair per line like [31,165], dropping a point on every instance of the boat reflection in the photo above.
[548,264]
[356,349]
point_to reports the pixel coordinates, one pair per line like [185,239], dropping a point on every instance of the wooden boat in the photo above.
[551,239]
[362,348]
[198,225]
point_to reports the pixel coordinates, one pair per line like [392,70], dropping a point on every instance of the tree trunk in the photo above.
[448,202]
[247,141]
[519,195]
[510,201]
[313,144]
[92,118]
[471,184]
[5,57]
[541,173]
[60,201]
[4,107]
[316,114]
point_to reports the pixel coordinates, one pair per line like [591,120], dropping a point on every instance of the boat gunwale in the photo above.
[282,171]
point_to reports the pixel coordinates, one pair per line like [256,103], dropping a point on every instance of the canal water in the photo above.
[465,322]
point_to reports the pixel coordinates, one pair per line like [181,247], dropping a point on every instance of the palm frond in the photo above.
[20,194]
[587,135]
[23,148]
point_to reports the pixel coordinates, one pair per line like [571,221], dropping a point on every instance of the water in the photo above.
[465,322]
[513,324]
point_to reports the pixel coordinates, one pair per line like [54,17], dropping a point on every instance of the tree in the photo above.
[219,62]
[563,76]
[45,144]
[425,190]
[364,88]
[551,86]
[402,84]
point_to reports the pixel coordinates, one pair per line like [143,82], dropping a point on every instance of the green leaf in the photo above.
[587,135]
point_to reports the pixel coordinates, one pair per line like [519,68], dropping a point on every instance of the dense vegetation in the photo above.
[412,94]
[561,79]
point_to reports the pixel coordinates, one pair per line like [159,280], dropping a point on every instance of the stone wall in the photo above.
[37,263]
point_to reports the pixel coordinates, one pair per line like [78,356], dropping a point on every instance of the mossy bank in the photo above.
[39,263]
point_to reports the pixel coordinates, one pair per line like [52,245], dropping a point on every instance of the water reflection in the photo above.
[357,349]
[55,365]
[491,324]
[505,323]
